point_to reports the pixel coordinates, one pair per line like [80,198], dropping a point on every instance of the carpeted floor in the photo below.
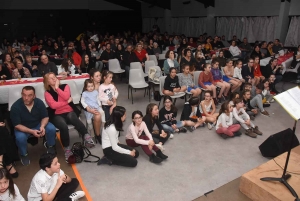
[198,162]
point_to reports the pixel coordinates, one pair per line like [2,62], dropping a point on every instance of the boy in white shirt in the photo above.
[51,183]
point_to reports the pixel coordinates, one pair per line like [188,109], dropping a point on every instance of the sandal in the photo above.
[15,174]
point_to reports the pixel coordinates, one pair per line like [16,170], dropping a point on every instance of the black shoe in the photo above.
[13,175]
[182,130]
[224,136]
[238,133]
[98,139]
[51,150]
[104,160]
[161,155]
[155,159]
[266,105]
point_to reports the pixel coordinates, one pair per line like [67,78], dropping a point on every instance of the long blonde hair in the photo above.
[45,81]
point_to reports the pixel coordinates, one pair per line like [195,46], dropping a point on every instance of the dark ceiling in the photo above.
[165,4]
[136,5]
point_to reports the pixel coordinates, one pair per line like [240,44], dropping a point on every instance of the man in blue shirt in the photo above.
[30,119]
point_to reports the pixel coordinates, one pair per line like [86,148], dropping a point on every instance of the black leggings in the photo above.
[66,190]
[157,138]
[106,109]
[8,147]
[121,159]
[61,122]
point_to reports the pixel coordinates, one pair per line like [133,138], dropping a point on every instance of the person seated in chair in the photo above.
[107,54]
[30,119]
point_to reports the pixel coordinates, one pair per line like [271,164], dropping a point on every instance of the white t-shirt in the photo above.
[42,183]
[6,196]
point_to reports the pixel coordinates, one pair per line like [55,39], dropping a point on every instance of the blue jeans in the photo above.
[166,127]
[21,137]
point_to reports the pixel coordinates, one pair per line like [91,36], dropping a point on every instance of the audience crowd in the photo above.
[227,73]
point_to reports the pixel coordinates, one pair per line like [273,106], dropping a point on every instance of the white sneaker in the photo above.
[209,126]
[171,136]
[75,196]
[272,101]
[160,147]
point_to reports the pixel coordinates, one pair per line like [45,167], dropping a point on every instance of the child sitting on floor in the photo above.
[243,118]
[225,127]
[192,115]
[208,109]
[251,111]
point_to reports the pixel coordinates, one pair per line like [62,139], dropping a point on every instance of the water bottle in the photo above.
[152,95]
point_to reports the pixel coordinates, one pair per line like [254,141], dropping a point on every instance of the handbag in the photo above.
[80,153]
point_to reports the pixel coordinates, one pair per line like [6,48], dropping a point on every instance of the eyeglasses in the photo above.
[138,118]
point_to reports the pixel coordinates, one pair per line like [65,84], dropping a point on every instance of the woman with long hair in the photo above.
[62,112]
[117,153]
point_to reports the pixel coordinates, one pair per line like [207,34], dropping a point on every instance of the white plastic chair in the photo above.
[114,66]
[14,93]
[161,88]
[137,81]
[148,64]
[137,65]
[161,56]
[40,92]
[153,58]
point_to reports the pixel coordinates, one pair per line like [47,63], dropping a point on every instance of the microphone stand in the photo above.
[283,179]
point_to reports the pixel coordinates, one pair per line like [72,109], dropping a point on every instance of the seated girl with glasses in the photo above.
[139,135]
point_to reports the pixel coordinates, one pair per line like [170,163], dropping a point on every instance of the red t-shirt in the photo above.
[141,55]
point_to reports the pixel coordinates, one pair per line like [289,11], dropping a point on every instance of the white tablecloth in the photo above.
[39,87]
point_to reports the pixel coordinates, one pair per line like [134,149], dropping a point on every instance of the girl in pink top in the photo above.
[135,138]
[108,94]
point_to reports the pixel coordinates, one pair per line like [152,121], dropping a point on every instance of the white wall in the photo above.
[193,9]
[151,12]
[247,7]
[295,7]
[60,4]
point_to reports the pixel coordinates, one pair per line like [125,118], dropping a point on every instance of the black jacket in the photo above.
[186,112]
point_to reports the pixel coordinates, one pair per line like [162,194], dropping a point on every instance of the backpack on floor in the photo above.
[79,151]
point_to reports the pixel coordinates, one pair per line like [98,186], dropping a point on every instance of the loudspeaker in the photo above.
[278,143]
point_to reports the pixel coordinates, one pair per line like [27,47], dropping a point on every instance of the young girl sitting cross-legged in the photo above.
[192,115]
[167,117]
[225,127]
[243,118]
[208,109]
[139,135]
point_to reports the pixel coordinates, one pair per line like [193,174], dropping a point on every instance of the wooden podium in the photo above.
[255,189]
